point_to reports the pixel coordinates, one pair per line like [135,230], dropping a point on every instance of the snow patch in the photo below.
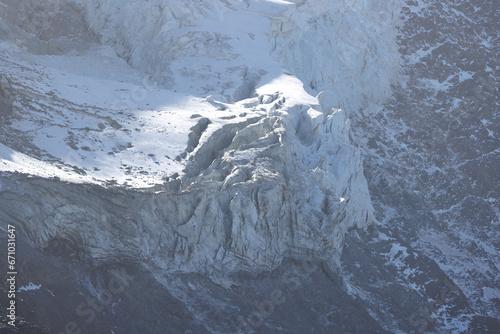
[29,287]
[491,293]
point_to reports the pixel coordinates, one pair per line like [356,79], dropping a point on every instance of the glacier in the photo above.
[273,173]
[212,148]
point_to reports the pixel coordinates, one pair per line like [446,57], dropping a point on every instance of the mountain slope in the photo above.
[199,167]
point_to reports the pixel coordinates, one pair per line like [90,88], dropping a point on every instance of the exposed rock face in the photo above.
[439,138]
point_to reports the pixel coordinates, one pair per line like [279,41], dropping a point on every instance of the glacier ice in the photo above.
[281,179]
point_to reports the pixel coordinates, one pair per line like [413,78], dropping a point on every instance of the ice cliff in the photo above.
[253,168]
